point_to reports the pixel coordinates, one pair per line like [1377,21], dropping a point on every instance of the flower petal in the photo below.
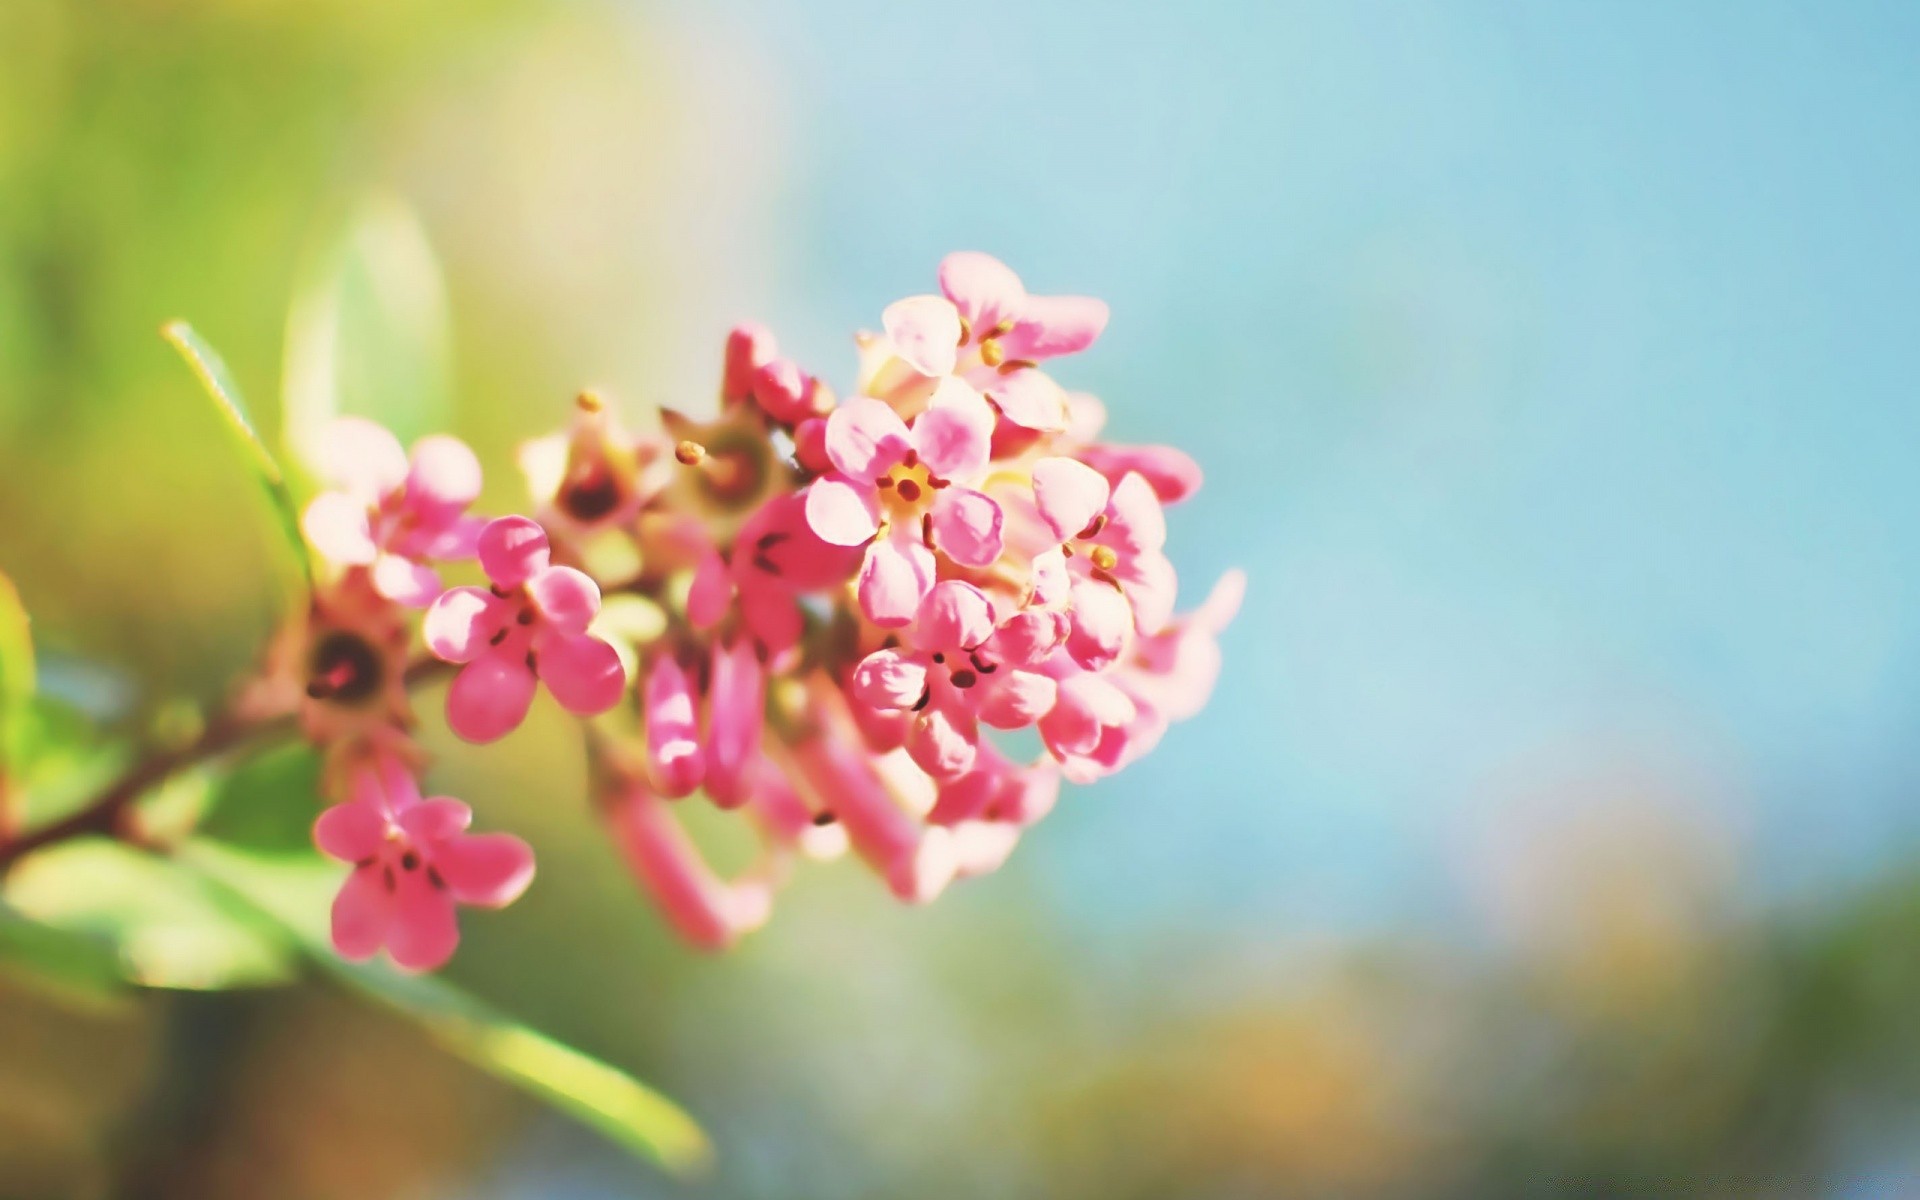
[362,457]
[955,617]
[1029,636]
[350,831]
[1051,578]
[461,623]
[673,729]
[983,288]
[1029,398]
[337,525]
[362,912]
[1070,494]
[888,679]
[966,527]
[583,673]
[736,712]
[1050,326]
[942,741]
[423,934]
[490,697]
[404,581]
[443,479]
[842,512]
[1102,623]
[1150,585]
[487,869]
[1172,473]
[954,435]
[1138,522]
[865,437]
[567,598]
[1016,699]
[925,331]
[896,576]
[711,592]
[434,820]
[512,550]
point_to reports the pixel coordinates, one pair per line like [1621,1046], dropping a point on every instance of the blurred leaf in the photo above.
[16,674]
[267,803]
[214,377]
[64,761]
[69,964]
[368,333]
[170,927]
[297,890]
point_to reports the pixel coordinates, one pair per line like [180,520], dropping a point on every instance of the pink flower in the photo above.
[1110,558]
[391,514]
[531,625]
[776,557]
[951,680]
[988,330]
[412,862]
[907,483]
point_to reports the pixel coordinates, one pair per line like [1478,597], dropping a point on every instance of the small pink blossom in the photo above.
[413,861]
[907,484]
[1110,561]
[531,625]
[951,681]
[392,515]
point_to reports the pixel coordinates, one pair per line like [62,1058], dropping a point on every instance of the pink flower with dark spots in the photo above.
[775,559]
[902,490]
[530,626]
[413,862]
[1110,560]
[950,681]
[390,514]
[987,329]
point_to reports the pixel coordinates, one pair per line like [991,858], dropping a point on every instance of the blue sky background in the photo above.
[1553,366]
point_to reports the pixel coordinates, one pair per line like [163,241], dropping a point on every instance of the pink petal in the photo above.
[489,697]
[773,616]
[1102,622]
[443,479]
[785,392]
[703,908]
[842,512]
[567,598]
[1069,493]
[452,540]
[512,550]
[434,820]
[736,711]
[1172,474]
[350,831]
[1150,585]
[777,543]
[1050,326]
[337,525]
[865,438]
[405,582]
[1028,637]
[423,934]
[1138,522]
[1051,579]
[1015,699]
[583,673]
[954,435]
[1086,705]
[943,742]
[955,617]
[810,445]
[896,576]
[362,913]
[749,347]
[461,623]
[487,869]
[888,679]
[966,527]
[841,778]
[1029,398]
[983,288]
[925,331]
[673,729]
[362,457]
[1086,417]
[711,592]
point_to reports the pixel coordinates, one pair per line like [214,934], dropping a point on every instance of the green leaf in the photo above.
[16,676]
[78,967]
[218,382]
[170,927]
[297,892]
[369,332]
[268,803]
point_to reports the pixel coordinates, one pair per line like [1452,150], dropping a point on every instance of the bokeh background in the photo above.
[1554,827]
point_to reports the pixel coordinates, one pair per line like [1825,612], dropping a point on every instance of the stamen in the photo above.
[433,877]
[909,490]
[964,678]
[1104,558]
[926,530]
[497,638]
[885,481]
[1002,328]
[690,453]
[985,668]
[589,402]
[991,353]
[388,872]
[1094,526]
[926,697]
[1016,364]
[823,818]
[966,331]
[410,861]
[525,617]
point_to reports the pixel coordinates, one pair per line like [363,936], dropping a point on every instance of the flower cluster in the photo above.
[824,614]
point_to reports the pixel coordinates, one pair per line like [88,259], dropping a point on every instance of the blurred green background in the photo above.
[1552,831]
